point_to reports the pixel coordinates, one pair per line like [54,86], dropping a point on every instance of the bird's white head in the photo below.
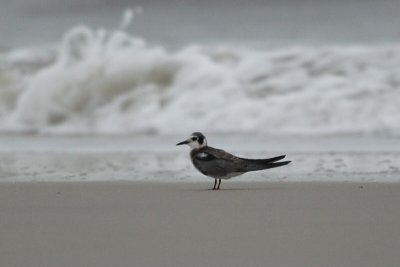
[196,140]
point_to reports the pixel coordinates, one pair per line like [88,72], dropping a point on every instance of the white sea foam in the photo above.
[99,81]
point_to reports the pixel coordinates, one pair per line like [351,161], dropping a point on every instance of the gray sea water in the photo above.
[316,80]
[180,22]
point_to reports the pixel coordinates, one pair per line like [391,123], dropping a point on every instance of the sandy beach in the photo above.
[184,224]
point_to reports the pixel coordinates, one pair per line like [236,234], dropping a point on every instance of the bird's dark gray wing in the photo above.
[269,160]
[216,162]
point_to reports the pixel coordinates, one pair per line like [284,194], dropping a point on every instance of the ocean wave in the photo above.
[99,81]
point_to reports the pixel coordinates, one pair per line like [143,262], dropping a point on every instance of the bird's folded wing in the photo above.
[268,160]
[222,161]
[216,162]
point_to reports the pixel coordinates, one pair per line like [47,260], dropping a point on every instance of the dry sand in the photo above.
[183,224]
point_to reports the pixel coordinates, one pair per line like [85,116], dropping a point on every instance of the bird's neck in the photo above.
[198,147]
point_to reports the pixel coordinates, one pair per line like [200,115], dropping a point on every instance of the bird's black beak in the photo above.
[183,143]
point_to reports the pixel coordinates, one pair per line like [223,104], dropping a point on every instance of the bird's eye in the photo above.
[194,138]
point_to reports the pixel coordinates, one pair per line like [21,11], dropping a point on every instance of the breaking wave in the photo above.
[99,81]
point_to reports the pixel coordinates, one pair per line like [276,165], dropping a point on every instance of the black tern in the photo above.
[219,164]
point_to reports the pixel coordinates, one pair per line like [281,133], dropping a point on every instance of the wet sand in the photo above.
[184,224]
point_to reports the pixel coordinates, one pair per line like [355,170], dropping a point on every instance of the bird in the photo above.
[221,165]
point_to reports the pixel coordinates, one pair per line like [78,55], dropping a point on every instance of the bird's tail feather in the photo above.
[256,165]
[276,164]
[269,160]
[274,159]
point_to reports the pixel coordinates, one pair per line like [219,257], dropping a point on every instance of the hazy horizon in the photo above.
[177,23]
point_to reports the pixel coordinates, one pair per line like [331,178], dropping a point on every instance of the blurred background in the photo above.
[181,22]
[102,89]
[166,67]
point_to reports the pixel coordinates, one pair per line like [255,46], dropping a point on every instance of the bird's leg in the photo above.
[215,184]
[219,183]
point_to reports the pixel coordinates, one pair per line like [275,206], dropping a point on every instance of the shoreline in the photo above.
[150,158]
